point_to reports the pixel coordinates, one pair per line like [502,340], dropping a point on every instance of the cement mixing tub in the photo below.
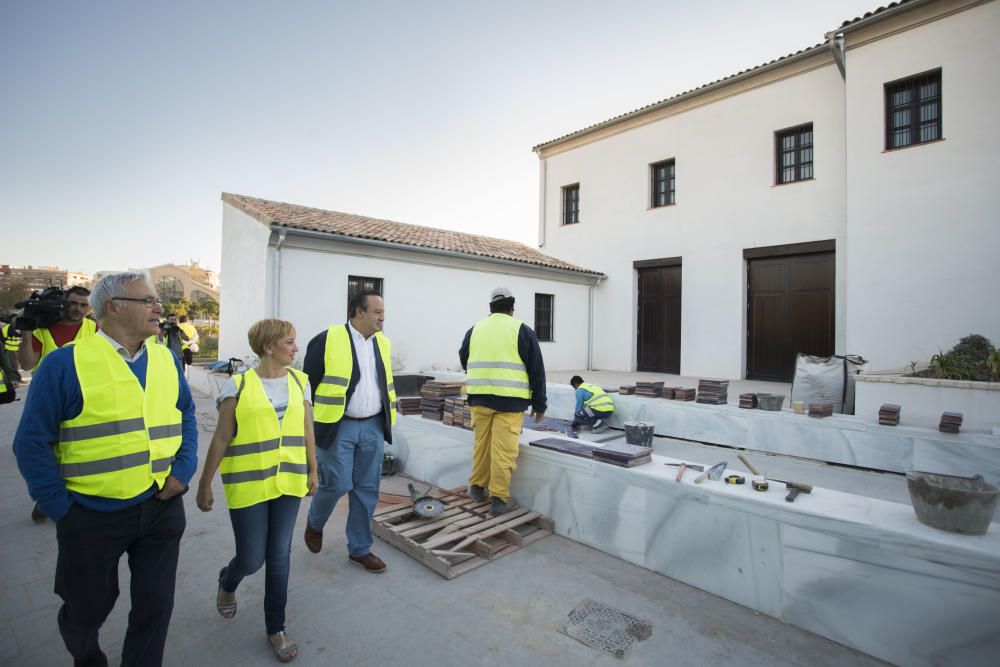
[956,504]
[639,433]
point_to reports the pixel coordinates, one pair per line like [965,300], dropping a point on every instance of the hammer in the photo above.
[794,489]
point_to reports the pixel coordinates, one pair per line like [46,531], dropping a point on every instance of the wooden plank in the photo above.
[476,528]
[496,530]
[512,536]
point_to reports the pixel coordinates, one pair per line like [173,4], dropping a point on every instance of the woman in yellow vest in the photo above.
[265,446]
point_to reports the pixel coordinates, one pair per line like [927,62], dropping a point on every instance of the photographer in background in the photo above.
[73,324]
[174,337]
[10,340]
[191,345]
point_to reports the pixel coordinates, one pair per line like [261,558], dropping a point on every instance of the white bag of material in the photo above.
[826,380]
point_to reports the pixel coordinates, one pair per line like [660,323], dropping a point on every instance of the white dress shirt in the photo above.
[121,349]
[366,401]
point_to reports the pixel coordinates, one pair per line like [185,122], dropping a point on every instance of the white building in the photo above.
[298,264]
[819,203]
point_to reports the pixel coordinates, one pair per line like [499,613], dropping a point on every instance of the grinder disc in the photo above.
[428,508]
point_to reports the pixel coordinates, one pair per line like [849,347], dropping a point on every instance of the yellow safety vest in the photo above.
[494,365]
[330,399]
[191,333]
[599,400]
[87,328]
[125,438]
[266,459]
[153,340]
[11,343]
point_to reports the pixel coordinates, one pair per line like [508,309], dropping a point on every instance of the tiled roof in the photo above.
[872,13]
[679,96]
[361,227]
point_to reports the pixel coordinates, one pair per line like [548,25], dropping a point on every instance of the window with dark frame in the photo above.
[794,154]
[913,110]
[358,284]
[663,175]
[543,316]
[571,204]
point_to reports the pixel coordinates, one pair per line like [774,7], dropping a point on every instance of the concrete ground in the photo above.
[504,613]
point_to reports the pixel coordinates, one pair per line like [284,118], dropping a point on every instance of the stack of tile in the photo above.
[713,392]
[571,447]
[668,392]
[649,389]
[748,401]
[685,393]
[820,410]
[951,422]
[888,415]
[626,390]
[454,407]
[623,455]
[466,422]
[432,396]
[408,405]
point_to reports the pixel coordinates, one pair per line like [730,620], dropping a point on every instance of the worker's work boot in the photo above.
[478,493]
[600,426]
[499,507]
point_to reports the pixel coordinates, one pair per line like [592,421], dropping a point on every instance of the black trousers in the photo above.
[90,545]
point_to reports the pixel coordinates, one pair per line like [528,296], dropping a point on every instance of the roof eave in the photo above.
[877,16]
[702,90]
[333,236]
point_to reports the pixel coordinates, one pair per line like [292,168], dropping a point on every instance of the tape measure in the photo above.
[760,485]
[735,479]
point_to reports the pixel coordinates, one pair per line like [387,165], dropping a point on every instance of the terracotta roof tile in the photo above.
[880,10]
[361,227]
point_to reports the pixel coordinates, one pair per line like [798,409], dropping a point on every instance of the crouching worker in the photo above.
[264,444]
[593,406]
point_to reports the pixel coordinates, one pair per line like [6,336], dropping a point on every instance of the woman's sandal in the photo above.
[227,609]
[286,650]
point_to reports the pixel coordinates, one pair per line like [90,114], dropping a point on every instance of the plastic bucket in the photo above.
[639,433]
[770,402]
[955,504]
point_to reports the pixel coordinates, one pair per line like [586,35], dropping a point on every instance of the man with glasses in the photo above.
[36,344]
[122,421]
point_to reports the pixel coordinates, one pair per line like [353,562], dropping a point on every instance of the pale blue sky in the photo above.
[123,122]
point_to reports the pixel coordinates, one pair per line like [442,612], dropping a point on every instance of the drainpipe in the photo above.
[276,280]
[543,178]
[837,50]
[590,322]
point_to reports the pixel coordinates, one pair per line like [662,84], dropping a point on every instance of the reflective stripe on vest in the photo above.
[125,438]
[266,459]
[11,343]
[494,365]
[599,400]
[44,336]
[330,398]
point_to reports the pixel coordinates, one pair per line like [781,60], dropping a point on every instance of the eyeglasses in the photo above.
[148,301]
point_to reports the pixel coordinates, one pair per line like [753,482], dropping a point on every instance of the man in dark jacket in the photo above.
[350,370]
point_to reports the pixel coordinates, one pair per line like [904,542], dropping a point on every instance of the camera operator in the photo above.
[73,325]
[174,337]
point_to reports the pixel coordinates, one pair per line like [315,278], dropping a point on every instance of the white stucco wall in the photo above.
[431,301]
[726,201]
[245,291]
[924,221]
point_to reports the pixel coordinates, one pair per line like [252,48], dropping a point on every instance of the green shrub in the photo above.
[973,358]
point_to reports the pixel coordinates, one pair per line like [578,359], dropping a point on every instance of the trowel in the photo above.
[714,473]
[424,505]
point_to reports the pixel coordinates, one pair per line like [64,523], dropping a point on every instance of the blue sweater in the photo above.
[54,396]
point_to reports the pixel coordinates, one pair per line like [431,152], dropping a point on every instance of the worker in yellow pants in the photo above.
[494,455]
[506,375]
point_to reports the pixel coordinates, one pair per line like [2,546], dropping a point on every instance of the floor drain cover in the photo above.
[606,628]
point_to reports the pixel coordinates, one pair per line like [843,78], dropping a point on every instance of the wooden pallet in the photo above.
[463,537]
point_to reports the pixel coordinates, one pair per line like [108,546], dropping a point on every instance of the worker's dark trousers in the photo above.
[90,545]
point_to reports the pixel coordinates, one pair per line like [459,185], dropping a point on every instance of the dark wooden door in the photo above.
[660,319]
[790,310]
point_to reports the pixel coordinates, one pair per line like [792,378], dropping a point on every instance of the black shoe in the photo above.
[499,507]
[478,493]
[38,516]
[95,660]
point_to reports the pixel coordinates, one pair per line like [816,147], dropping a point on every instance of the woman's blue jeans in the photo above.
[264,536]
